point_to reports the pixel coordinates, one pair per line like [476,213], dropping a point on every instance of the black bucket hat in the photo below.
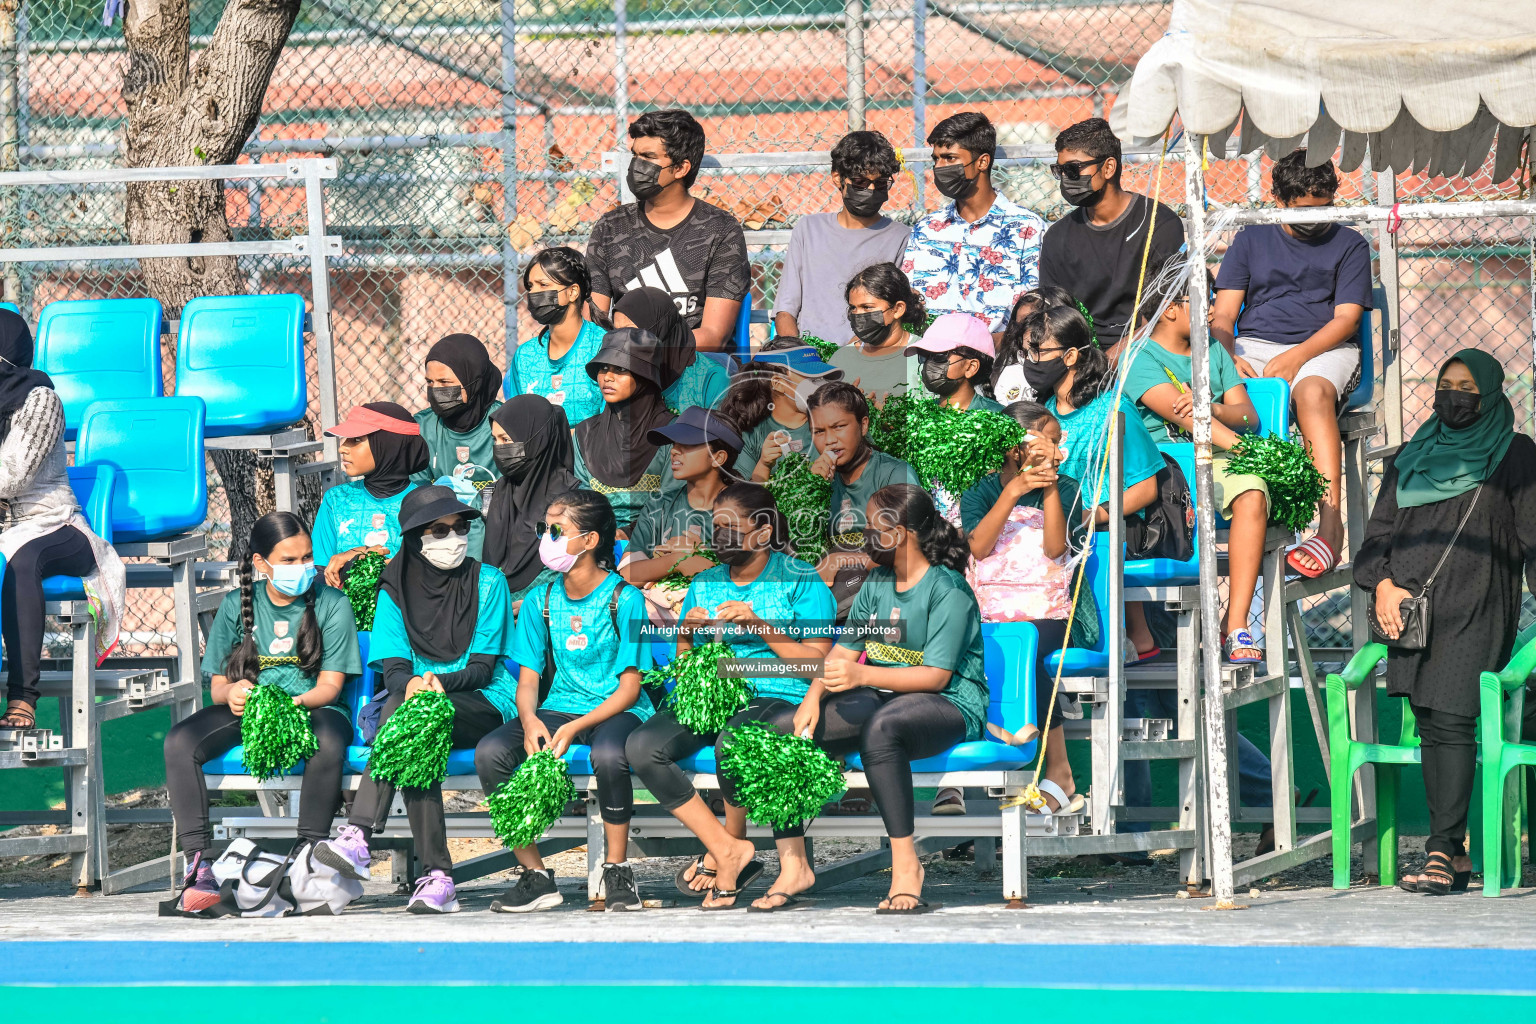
[428,504]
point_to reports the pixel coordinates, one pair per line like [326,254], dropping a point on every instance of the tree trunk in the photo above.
[185,110]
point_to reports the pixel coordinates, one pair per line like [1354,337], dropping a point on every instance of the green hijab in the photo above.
[1440,462]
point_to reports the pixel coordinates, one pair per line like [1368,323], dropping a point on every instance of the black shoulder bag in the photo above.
[1414,611]
[1165,528]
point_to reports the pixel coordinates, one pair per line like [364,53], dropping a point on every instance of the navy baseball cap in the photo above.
[697,425]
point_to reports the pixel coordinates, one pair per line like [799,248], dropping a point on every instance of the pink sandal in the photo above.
[1319,551]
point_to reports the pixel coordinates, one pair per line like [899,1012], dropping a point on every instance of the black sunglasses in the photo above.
[440,530]
[1072,170]
[867,184]
[555,530]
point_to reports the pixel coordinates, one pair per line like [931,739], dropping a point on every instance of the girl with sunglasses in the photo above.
[767,606]
[287,630]
[381,448]
[587,622]
[461,396]
[444,623]
[615,455]
[534,456]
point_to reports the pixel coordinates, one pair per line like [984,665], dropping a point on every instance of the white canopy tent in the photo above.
[1427,87]
[1422,85]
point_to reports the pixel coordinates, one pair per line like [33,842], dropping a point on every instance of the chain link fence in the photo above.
[471,133]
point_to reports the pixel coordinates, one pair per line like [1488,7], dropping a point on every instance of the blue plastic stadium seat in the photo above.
[156,446]
[1083,661]
[1010,650]
[12,307]
[1166,572]
[742,340]
[98,349]
[1361,396]
[93,485]
[1271,398]
[244,356]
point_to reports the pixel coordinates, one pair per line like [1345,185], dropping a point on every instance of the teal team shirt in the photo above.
[628,501]
[589,653]
[666,515]
[277,638]
[1083,440]
[349,517]
[467,456]
[564,381]
[800,440]
[701,384]
[850,499]
[941,628]
[1153,366]
[493,635]
[787,591]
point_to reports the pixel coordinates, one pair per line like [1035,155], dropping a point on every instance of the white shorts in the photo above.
[1339,366]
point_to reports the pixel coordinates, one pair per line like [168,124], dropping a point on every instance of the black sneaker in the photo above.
[619,889]
[535,890]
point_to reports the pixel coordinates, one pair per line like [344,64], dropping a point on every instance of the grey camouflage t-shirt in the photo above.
[703,257]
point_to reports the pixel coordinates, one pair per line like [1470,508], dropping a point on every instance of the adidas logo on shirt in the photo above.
[662,274]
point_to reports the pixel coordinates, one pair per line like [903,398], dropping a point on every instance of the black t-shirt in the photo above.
[1099,265]
[705,256]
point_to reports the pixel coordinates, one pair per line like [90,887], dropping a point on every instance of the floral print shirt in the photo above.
[980,268]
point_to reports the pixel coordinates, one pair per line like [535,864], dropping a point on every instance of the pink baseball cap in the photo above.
[952,331]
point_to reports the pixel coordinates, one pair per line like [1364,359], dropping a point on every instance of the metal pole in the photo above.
[1114,705]
[10,131]
[1391,282]
[320,288]
[509,270]
[853,42]
[1219,813]
[919,86]
[620,73]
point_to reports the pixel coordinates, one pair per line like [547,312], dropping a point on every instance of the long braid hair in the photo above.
[244,660]
[910,506]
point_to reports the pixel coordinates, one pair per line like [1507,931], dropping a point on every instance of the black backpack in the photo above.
[1165,528]
[547,673]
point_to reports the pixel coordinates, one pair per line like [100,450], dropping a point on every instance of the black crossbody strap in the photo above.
[1454,538]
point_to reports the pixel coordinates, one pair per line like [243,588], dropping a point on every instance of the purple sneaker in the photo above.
[434,895]
[347,853]
[202,889]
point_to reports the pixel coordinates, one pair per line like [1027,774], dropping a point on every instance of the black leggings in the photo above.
[193,742]
[1053,637]
[1448,749]
[64,552]
[897,729]
[500,753]
[473,717]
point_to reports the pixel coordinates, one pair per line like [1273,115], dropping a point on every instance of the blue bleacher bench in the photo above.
[97,349]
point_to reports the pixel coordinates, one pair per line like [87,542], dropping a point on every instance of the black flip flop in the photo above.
[923,906]
[700,871]
[791,902]
[744,879]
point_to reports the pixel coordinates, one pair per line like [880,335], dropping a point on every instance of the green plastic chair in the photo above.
[1498,734]
[1346,757]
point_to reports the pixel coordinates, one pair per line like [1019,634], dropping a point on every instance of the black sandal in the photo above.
[922,907]
[20,715]
[681,879]
[1441,866]
[791,902]
[744,879]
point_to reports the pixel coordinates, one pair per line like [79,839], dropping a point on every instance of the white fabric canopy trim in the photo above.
[1422,85]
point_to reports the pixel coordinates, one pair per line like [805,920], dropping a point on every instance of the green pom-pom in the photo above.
[1295,485]
[701,699]
[805,499]
[275,732]
[412,748]
[889,423]
[927,323]
[953,448]
[781,780]
[824,349]
[360,582]
[526,805]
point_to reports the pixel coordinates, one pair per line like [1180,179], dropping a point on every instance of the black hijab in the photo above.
[441,609]
[466,356]
[395,456]
[510,541]
[17,378]
[615,444]
[653,310]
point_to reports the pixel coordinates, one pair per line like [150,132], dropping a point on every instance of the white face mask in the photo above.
[446,553]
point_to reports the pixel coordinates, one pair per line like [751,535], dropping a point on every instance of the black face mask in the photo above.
[1043,377]
[885,557]
[952,183]
[864,202]
[1310,232]
[1080,192]
[546,307]
[1457,409]
[643,178]
[512,459]
[936,376]
[726,544]
[870,328]
[445,400]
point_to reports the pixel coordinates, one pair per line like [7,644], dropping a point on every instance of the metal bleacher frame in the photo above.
[92,695]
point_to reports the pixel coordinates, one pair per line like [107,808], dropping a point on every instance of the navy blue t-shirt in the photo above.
[1293,285]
